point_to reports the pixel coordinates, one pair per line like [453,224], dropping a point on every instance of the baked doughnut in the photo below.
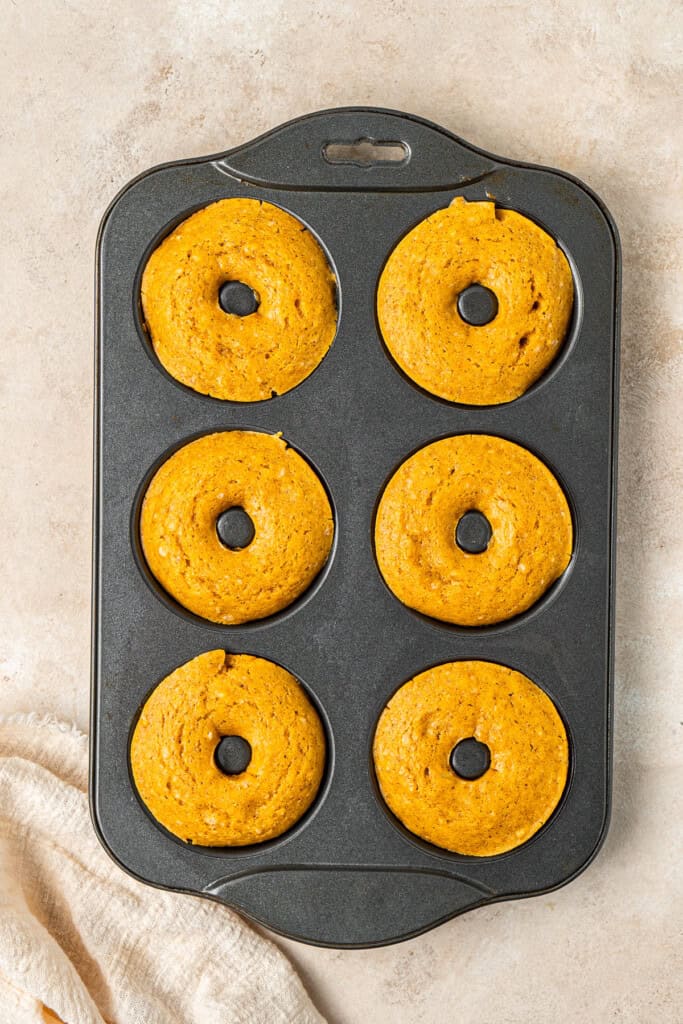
[250,357]
[282,496]
[173,750]
[427,498]
[528,753]
[417,303]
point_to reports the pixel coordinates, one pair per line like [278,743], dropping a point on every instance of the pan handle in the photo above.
[348,906]
[358,148]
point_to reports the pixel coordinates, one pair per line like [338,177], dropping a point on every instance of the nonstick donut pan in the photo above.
[348,874]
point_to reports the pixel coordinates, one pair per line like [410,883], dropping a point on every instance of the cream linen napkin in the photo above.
[83,943]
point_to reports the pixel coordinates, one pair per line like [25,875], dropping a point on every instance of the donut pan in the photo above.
[348,874]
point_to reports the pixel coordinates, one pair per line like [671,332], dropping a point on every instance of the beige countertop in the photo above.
[94,94]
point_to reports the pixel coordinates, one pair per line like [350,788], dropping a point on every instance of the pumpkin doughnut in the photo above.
[469,244]
[514,790]
[420,513]
[173,750]
[280,493]
[244,358]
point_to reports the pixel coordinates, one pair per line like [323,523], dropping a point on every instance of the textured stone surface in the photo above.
[94,94]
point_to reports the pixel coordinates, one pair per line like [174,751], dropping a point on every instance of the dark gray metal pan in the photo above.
[348,874]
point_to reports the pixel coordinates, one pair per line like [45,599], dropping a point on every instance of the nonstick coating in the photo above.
[348,874]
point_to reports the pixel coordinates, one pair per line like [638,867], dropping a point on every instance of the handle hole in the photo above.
[366,152]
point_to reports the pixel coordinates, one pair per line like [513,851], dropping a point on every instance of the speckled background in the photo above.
[95,93]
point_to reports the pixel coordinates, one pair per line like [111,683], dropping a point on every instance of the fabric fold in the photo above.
[84,943]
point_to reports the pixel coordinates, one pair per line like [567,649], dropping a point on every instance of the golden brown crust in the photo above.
[244,359]
[465,244]
[287,504]
[428,716]
[174,742]
[419,510]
